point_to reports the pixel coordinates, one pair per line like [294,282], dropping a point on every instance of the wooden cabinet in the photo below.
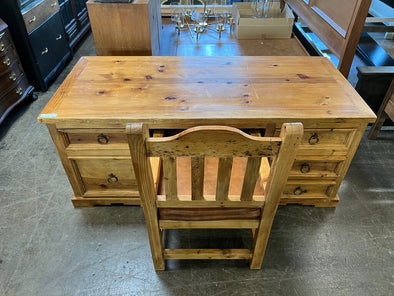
[14,87]
[88,115]
[75,19]
[126,28]
[40,37]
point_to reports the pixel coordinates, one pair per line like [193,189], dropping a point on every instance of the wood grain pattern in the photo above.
[180,91]
[133,28]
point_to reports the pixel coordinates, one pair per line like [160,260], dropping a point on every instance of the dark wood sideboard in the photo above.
[14,86]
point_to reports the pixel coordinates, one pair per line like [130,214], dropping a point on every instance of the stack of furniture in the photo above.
[40,37]
[14,87]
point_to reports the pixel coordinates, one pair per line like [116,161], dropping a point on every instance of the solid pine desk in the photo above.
[87,116]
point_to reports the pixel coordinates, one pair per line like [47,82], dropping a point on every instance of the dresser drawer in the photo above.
[10,76]
[50,44]
[35,16]
[5,42]
[109,177]
[14,94]
[6,59]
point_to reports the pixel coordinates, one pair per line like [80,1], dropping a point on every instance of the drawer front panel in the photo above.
[315,169]
[11,74]
[320,137]
[107,174]
[325,141]
[5,42]
[14,94]
[7,58]
[35,16]
[306,190]
[101,138]
[50,44]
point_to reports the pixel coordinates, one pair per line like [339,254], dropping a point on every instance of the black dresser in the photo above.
[43,32]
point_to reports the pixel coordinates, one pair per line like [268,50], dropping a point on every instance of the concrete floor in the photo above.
[47,247]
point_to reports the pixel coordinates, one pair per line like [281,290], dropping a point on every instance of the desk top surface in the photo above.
[167,91]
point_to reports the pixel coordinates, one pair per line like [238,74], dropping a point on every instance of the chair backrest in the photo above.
[222,142]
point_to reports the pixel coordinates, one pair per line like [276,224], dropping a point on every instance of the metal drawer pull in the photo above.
[305,168]
[7,61]
[112,179]
[2,46]
[314,139]
[59,37]
[102,139]
[32,20]
[13,76]
[19,91]
[45,51]
[53,4]
[299,191]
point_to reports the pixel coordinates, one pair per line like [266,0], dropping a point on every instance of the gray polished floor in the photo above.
[47,247]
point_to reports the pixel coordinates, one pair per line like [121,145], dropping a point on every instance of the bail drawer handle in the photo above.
[53,4]
[7,61]
[299,191]
[112,179]
[19,91]
[2,47]
[102,139]
[59,37]
[305,168]
[32,20]
[314,139]
[45,51]
[12,76]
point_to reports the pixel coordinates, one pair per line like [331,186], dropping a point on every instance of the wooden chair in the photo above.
[221,209]
[386,110]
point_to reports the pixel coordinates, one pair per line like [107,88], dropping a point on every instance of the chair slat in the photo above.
[223,180]
[197,178]
[251,174]
[170,178]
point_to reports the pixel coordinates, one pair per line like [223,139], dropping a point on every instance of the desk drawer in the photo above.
[35,16]
[107,177]
[101,138]
[325,141]
[314,190]
[315,168]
